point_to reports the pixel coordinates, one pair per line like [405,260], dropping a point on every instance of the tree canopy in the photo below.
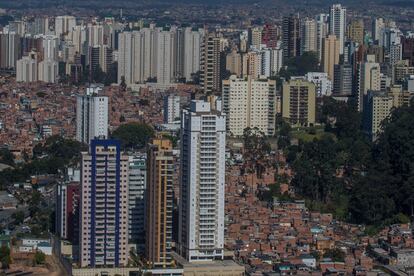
[388,187]
[133,135]
[300,65]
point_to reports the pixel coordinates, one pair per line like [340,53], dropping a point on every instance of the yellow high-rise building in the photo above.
[299,102]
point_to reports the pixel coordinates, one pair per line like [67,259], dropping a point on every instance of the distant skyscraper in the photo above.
[337,24]
[64,24]
[159,202]
[322,30]
[201,210]
[343,80]
[210,63]
[41,26]
[356,31]
[10,46]
[291,36]
[26,68]
[308,41]
[50,44]
[192,46]
[104,206]
[48,71]
[395,53]
[171,108]
[91,116]
[255,37]
[137,182]
[330,55]
[377,28]
[270,35]
[234,62]
[369,79]
[408,49]
[165,56]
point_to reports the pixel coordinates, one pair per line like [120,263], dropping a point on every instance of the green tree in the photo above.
[18,217]
[133,135]
[336,254]
[39,258]
[387,188]
[300,65]
[5,258]
[6,157]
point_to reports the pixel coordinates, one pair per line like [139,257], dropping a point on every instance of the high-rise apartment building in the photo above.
[270,35]
[323,84]
[64,24]
[377,107]
[48,71]
[91,115]
[308,40]
[378,25]
[255,37]
[159,202]
[67,208]
[104,206]
[165,56]
[330,55]
[322,30]
[408,49]
[50,46]
[26,68]
[136,56]
[171,108]
[201,209]
[234,62]
[137,182]
[337,24]
[356,31]
[10,47]
[192,45]
[299,102]
[249,103]
[210,63]
[343,80]
[369,78]
[291,36]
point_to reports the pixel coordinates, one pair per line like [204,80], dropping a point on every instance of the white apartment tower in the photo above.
[171,108]
[91,116]
[136,56]
[369,78]
[192,46]
[322,27]
[201,210]
[337,24]
[26,68]
[48,71]
[165,55]
[308,40]
[104,206]
[249,103]
[64,24]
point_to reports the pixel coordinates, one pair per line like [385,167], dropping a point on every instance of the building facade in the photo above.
[104,205]
[249,103]
[201,209]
